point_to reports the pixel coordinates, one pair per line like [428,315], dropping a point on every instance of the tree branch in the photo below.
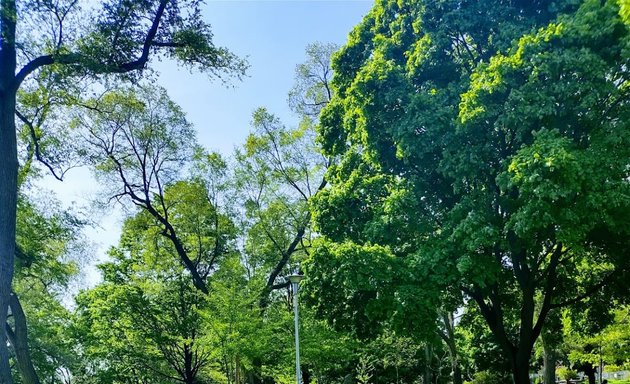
[75,58]
[35,139]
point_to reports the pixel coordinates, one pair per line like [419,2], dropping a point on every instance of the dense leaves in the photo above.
[467,218]
[497,143]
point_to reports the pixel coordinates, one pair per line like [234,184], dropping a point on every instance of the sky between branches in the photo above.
[272,35]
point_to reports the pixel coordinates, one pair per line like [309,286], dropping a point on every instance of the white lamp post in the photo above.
[295,282]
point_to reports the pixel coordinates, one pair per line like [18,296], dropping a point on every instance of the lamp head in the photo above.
[295,278]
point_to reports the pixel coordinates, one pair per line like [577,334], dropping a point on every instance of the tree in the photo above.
[551,341]
[138,142]
[280,169]
[119,39]
[148,301]
[313,89]
[596,336]
[505,149]
[148,330]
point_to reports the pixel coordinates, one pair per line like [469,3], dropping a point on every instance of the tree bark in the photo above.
[8,170]
[589,370]
[428,356]
[520,368]
[449,339]
[18,337]
[549,367]
[189,374]
[549,361]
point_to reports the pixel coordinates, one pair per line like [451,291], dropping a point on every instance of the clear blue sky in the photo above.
[273,36]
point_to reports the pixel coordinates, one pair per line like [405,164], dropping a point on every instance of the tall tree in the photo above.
[499,141]
[139,141]
[281,168]
[278,171]
[112,37]
[153,305]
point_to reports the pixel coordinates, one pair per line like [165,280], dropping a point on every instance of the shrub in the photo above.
[566,373]
[488,377]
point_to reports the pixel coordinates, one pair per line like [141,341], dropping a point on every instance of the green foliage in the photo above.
[140,132]
[590,344]
[489,377]
[362,289]
[566,373]
[118,31]
[497,147]
[50,250]
[479,347]
[147,304]
[278,171]
[52,51]
[364,370]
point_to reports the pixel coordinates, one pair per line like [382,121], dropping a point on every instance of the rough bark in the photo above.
[549,367]
[18,338]
[520,367]
[189,373]
[8,170]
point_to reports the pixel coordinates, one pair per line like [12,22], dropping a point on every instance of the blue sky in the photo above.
[272,35]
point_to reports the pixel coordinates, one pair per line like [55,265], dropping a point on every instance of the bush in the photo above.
[566,373]
[488,377]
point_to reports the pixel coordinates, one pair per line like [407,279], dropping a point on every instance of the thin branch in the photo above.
[38,154]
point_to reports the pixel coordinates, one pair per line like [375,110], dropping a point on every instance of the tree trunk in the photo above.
[549,365]
[449,339]
[306,375]
[589,370]
[457,373]
[189,372]
[18,338]
[550,356]
[8,201]
[428,356]
[255,375]
[520,367]
[8,170]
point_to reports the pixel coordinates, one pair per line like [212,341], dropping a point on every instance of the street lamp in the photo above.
[295,282]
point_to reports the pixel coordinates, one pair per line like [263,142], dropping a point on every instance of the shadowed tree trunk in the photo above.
[549,341]
[448,336]
[589,370]
[8,169]
[549,365]
[428,357]
[18,338]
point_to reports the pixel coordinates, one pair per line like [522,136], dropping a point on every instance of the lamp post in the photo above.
[295,282]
